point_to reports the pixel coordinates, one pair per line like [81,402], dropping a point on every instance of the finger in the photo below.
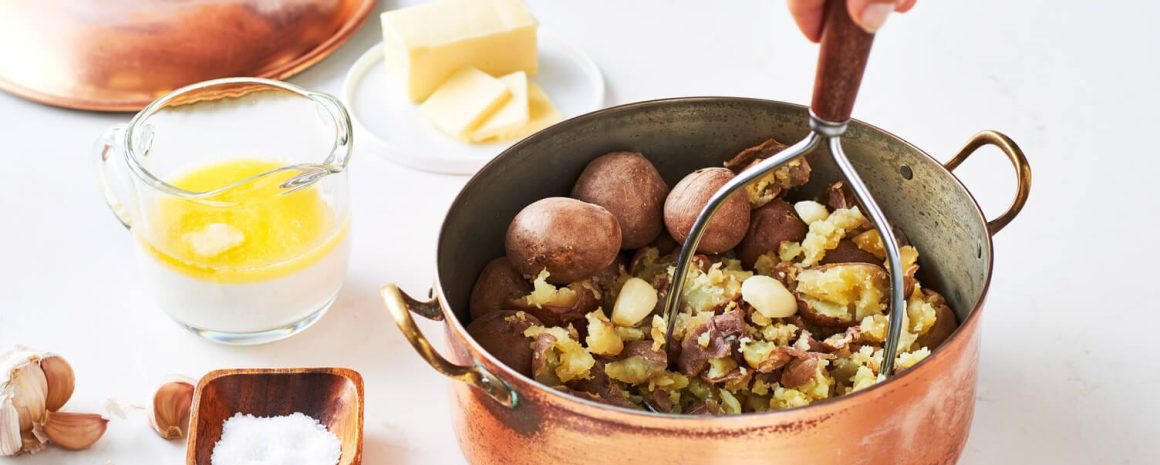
[808,16]
[905,6]
[870,15]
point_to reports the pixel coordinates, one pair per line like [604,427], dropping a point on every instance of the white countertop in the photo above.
[1071,306]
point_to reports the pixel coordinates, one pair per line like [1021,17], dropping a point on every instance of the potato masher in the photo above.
[842,57]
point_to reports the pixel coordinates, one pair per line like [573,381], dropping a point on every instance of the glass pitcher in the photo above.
[236,193]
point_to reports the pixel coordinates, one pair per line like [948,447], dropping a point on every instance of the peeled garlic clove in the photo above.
[637,300]
[60,380]
[769,297]
[171,409]
[74,431]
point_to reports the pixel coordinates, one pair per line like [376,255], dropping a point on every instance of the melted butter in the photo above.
[252,232]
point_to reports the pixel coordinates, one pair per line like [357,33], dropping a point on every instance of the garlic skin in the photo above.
[172,405]
[74,431]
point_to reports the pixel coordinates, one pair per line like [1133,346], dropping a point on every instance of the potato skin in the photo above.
[505,339]
[630,187]
[570,238]
[691,195]
[768,227]
[497,285]
[944,325]
[848,252]
[555,315]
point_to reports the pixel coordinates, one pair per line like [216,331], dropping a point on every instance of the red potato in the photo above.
[502,335]
[665,243]
[799,372]
[570,238]
[944,325]
[567,305]
[498,284]
[772,184]
[769,226]
[840,196]
[630,187]
[848,252]
[690,196]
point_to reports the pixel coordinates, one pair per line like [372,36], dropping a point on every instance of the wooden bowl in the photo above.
[334,396]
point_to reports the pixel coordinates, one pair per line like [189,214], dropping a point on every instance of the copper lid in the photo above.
[119,55]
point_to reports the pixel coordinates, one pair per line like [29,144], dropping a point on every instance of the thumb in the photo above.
[870,15]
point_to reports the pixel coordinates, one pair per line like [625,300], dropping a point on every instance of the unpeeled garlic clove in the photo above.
[60,379]
[25,387]
[74,431]
[10,441]
[171,408]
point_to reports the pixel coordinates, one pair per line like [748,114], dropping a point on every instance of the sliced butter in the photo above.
[541,114]
[464,101]
[512,115]
[425,44]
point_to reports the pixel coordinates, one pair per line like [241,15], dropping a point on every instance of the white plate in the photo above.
[388,124]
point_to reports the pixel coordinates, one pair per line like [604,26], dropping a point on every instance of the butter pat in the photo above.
[213,240]
[464,101]
[512,115]
[541,114]
[426,44]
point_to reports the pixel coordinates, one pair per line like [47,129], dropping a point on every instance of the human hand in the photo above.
[869,14]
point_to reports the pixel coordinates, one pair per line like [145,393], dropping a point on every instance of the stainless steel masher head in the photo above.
[841,61]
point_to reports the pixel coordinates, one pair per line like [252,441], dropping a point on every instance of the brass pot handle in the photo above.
[401,305]
[1022,171]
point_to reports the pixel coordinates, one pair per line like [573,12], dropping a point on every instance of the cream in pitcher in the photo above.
[239,206]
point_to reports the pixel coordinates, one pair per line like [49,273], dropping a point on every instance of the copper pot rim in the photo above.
[506,373]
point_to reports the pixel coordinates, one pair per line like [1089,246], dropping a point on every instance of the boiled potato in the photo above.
[944,325]
[502,335]
[689,196]
[559,306]
[630,187]
[769,226]
[497,285]
[842,294]
[848,252]
[570,238]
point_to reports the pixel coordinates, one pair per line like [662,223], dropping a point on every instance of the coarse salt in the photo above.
[295,439]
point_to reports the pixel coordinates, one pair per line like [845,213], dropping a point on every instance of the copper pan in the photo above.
[921,417]
[119,55]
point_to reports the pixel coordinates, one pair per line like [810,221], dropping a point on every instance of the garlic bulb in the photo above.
[32,385]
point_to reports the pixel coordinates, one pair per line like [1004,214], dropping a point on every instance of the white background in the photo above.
[1068,370]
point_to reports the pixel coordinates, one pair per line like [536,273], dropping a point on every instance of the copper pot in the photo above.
[922,416]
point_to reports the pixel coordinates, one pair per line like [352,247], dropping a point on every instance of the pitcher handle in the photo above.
[475,375]
[106,148]
[1018,160]
[344,134]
